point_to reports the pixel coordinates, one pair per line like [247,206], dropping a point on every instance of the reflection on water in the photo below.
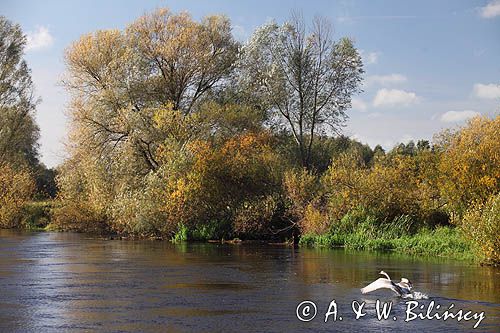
[64,281]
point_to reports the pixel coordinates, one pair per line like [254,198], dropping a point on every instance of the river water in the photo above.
[56,282]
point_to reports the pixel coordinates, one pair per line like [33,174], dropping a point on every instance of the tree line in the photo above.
[22,176]
[177,130]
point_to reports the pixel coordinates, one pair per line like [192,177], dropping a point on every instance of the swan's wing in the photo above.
[380,283]
[405,288]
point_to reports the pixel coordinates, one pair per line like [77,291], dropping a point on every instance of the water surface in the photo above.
[53,282]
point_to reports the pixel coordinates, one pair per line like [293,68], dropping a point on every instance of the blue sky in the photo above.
[429,64]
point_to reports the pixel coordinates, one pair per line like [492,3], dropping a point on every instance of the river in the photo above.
[55,282]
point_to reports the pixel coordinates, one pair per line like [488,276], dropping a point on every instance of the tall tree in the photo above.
[120,79]
[18,130]
[307,79]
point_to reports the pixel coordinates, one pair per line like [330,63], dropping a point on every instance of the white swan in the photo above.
[401,288]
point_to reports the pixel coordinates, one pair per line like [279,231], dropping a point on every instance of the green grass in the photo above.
[442,241]
[213,230]
[181,235]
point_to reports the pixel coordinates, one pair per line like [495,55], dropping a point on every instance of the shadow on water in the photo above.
[65,281]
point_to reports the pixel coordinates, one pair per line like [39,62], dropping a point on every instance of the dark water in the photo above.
[59,282]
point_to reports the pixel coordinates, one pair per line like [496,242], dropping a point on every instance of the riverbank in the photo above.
[446,242]
[442,241]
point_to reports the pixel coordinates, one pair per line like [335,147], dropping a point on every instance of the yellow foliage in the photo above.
[314,221]
[221,179]
[470,163]
[16,188]
[84,195]
[395,185]
[301,187]
[481,224]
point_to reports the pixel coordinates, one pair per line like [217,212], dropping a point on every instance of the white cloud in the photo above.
[457,116]
[39,39]
[385,80]
[394,97]
[491,10]
[358,104]
[369,58]
[487,91]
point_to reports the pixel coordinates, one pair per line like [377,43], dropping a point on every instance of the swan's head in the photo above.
[407,283]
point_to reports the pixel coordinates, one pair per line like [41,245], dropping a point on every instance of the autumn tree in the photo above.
[16,188]
[470,163]
[138,95]
[303,76]
[119,78]
[18,130]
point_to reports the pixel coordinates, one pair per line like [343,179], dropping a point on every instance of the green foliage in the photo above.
[212,230]
[36,215]
[45,178]
[324,150]
[209,230]
[304,78]
[18,130]
[181,234]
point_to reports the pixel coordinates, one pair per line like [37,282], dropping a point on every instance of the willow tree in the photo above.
[136,93]
[119,78]
[304,77]
[18,130]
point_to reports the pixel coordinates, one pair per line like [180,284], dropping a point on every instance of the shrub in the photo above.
[36,214]
[137,210]
[470,164]
[303,192]
[253,218]
[235,181]
[16,189]
[481,224]
[395,185]
[84,196]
